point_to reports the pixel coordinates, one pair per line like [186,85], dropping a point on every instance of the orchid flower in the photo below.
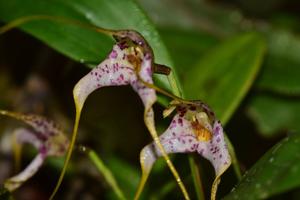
[130,62]
[46,136]
[194,128]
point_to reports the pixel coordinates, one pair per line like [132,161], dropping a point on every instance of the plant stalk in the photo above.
[107,174]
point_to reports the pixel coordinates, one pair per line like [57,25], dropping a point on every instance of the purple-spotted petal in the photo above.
[122,67]
[129,63]
[16,181]
[44,127]
[44,135]
[26,136]
[194,128]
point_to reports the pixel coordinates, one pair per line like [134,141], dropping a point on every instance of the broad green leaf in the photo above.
[281,71]
[78,43]
[274,114]
[219,21]
[225,73]
[81,44]
[276,172]
[184,46]
[195,15]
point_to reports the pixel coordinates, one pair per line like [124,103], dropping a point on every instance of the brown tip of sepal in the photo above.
[161,69]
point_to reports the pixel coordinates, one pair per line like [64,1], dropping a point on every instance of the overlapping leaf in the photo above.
[276,172]
[82,44]
[224,74]
[281,71]
[274,114]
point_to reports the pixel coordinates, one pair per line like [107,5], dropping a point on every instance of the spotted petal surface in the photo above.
[44,135]
[128,62]
[194,128]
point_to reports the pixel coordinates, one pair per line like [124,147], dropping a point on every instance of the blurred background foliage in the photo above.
[241,57]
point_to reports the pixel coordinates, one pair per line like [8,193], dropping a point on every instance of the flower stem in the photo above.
[92,155]
[196,178]
[235,162]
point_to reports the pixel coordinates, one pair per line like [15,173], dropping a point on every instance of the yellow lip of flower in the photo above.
[202,134]
[201,124]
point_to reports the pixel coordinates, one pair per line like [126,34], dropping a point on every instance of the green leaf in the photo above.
[195,15]
[281,71]
[283,45]
[184,46]
[81,44]
[224,74]
[273,114]
[276,172]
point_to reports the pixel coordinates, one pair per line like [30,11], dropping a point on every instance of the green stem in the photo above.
[23,20]
[196,178]
[165,190]
[106,173]
[235,163]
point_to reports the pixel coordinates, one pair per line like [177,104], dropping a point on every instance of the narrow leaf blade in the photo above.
[225,74]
